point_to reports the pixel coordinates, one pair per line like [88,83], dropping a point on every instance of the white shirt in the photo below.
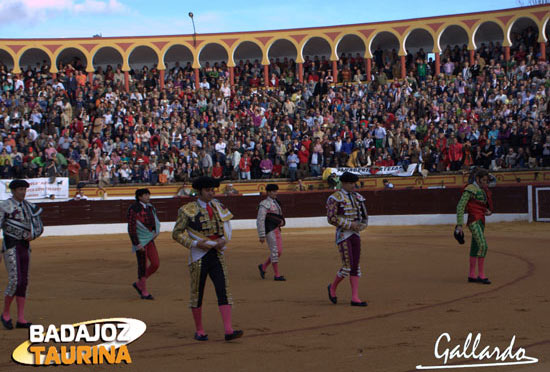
[58,85]
[226,91]
[220,147]
[19,84]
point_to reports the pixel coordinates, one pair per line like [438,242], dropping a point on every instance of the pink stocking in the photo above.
[142,285]
[354,281]
[225,310]
[7,303]
[334,285]
[197,317]
[481,267]
[472,267]
[276,268]
[266,263]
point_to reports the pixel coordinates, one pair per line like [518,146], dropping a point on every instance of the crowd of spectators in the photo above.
[494,113]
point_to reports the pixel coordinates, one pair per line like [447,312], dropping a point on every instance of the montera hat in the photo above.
[205,182]
[141,192]
[459,236]
[18,183]
[349,177]
[271,187]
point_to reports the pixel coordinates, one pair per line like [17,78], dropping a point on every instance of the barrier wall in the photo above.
[507,200]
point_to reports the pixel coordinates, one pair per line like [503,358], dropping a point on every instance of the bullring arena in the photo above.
[414,274]
[414,278]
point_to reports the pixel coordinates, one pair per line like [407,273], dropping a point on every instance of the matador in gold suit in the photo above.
[203,226]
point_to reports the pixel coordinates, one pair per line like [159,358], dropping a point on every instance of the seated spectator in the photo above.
[79,195]
[230,190]
[185,190]
[300,186]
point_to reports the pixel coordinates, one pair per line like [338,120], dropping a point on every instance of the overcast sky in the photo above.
[85,18]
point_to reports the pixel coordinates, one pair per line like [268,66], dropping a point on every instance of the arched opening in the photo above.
[107,56]
[178,58]
[316,53]
[248,51]
[453,43]
[282,57]
[351,46]
[213,60]
[419,43]
[488,39]
[6,60]
[248,60]
[213,54]
[34,59]
[351,51]
[316,47]
[142,56]
[524,35]
[71,56]
[385,49]
[108,62]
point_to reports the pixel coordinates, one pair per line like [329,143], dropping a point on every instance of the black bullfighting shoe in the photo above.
[234,335]
[201,337]
[362,303]
[137,289]
[8,324]
[262,272]
[23,325]
[334,299]
[279,278]
[483,281]
[472,280]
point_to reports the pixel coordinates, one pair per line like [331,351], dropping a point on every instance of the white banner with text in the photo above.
[40,188]
[395,170]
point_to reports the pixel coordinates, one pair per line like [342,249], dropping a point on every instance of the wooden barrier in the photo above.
[304,204]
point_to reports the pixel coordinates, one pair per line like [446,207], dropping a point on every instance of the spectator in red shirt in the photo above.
[277,169]
[217,171]
[303,167]
[307,143]
[244,167]
[455,154]
[74,172]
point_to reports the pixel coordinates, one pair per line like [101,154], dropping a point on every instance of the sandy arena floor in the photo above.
[413,277]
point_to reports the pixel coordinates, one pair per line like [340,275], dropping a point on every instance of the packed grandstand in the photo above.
[481,100]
